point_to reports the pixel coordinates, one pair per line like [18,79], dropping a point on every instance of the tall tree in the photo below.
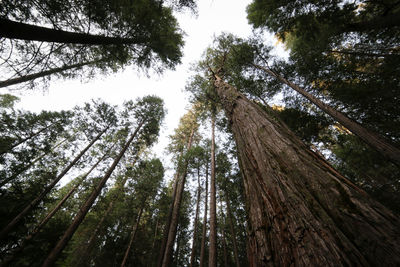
[148,112]
[327,219]
[189,126]
[212,256]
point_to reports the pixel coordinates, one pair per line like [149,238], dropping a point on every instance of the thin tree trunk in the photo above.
[41,74]
[303,212]
[196,218]
[50,214]
[176,207]
[168,223]
[7,149]
[212,255]
[12,177]
[224,245]
[133,234]
[386,149]
[51,258]
[361,53]
[232,230]
[204,230]
[88,247]
[48,188]
[22,31]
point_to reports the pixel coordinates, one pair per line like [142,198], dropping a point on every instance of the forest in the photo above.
[312,179]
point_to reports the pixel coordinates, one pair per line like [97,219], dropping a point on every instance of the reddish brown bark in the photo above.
[48,188]
[378,143]
[212,255]
[51,258]
[302,212]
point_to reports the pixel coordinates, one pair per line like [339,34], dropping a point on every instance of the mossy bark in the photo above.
[303,212]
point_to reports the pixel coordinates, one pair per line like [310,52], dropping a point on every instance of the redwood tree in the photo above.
[301,210]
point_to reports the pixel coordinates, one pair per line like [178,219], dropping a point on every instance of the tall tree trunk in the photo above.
[85,251]
[25,168]
[49,215]
[303,212]
[204,230]
[4,150]
[22,31]
[48,188]
[232,230]
[133,234]
[386,149]
[212,255]
[41,74]
[224,244]
[176,207]
[168,222]
[196,218]
[51,258]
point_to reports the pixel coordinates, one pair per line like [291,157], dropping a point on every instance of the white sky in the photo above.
[215,16]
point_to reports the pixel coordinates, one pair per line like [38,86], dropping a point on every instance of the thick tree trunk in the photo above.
[303,212]
[232,230]
[204,230]
[22,31]
[133,234]
[41,74]
[51,258]
[196,218]
[386,149]
[176,207]
[48,188]
[212,255]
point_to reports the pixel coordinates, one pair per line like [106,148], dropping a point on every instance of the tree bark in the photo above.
[378,143]
[212,255]
[133,234]
[204,230]
[302,212]
[41,74]
[176,207]
[51,258]
[196,218]
[232,230]
[48,188]
[22,31]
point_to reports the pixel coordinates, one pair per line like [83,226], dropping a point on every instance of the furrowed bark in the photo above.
[375,141]
[302,212]
[52,257]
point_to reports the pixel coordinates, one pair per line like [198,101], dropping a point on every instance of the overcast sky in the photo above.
[213,18]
